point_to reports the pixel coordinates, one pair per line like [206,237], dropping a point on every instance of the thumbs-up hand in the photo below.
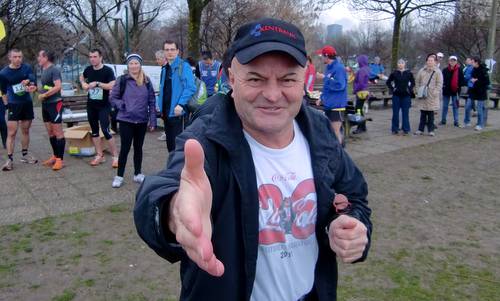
[348,238]
[189,215]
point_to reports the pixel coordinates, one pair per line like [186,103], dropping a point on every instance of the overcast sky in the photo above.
[340,14]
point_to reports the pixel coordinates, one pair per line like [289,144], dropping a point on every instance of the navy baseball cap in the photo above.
[265,35]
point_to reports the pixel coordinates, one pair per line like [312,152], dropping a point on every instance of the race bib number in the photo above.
[96,94]
[19,89]
[213,73]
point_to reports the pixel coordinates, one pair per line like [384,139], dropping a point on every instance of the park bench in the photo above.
[379,92]
[74,109]
[495,95]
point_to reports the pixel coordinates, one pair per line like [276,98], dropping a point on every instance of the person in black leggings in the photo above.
[134,98]
[98,79]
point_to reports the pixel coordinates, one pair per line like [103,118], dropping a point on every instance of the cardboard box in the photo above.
[79,140]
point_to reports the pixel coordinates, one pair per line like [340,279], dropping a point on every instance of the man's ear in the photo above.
[231,77]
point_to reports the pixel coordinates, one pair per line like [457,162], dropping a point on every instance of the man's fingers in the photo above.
[201,253]
[345,222]
[348,234]
[194,158]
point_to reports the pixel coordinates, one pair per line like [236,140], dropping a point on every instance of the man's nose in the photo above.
[272,91]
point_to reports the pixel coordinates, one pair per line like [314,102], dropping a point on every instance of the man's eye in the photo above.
[254,79]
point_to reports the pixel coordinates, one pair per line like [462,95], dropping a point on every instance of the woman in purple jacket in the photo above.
[134,98]
[360,89]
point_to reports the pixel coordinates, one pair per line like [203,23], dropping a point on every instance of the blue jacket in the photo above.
[375,70]
[334,94]
[468,75]
[235,207]
[183,86]
[137,105]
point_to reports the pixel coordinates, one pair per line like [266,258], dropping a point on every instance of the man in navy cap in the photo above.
[258,199]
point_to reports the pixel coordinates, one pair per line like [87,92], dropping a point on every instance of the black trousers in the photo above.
[131,133]
[173,127]
[426,119]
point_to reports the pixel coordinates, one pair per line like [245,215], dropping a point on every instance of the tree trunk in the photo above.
[395,42]
[195,10]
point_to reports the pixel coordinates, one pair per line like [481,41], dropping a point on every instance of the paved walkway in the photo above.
[30,192]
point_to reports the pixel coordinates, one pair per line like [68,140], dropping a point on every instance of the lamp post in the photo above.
[118,16]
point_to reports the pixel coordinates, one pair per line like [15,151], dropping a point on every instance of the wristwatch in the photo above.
[97,84]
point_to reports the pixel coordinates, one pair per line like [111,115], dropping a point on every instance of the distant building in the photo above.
[333,31]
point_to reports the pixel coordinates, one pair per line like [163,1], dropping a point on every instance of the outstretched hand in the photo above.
[190,208]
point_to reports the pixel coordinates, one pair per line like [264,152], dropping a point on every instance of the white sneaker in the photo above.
[418,133]
[139,178]
[163,137]
[466,125]
[432,134]
[478,128]
[117,182]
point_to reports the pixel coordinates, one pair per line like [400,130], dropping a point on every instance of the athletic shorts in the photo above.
[21,111]
[98,114]
[334,115]
[52,112]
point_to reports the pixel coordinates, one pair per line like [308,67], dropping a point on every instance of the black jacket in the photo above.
[401,83]
[479,89]
[235,207]
[447,76]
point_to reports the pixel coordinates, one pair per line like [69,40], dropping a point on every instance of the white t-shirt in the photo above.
[288,249]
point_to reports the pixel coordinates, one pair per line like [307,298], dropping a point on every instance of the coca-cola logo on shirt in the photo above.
[280,215]
[291,176]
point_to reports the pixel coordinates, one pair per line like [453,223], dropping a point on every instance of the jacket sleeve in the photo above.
[188,85]
[114,96]
[152,202]
[461,78]
[337,82]
[152,105]
[412,82]
[389,82]
[350,182]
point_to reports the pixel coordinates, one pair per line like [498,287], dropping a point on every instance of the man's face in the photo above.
[475,64]
[377,60]
[207,61]
[171,51]
[41,58]
[267,93]
[468,61]
[401,65]
[326,60]
[160,61]
[16,58]
[452,63]
[95,59]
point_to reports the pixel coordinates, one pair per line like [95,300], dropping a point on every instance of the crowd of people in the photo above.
[432,89]
[131,96]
